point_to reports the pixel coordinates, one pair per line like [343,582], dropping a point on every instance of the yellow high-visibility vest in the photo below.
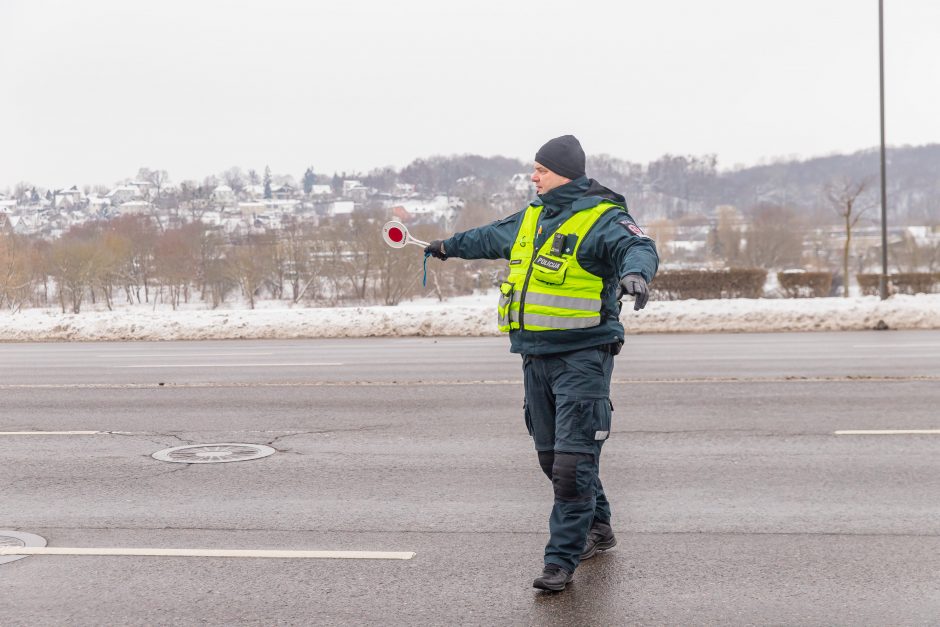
[547,289]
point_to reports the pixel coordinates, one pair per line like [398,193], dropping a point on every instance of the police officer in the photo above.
[572,253]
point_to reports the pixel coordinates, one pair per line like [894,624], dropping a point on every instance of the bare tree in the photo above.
[248,265]
[176,258]
[846,197]
[724,240]
[913,256]
[235,179]
[157,178]
[16,276]
[137,272]
[663,231]
[774,238]
[301,264]
[73,264]
[114,251]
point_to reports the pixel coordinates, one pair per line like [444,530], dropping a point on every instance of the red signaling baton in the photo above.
[397,236]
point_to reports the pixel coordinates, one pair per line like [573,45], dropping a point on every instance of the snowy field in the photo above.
[463,316]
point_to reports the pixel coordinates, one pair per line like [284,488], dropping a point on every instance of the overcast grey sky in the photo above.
[93,90]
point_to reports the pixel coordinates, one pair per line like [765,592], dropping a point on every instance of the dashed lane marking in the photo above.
[46,550]
[65,432]
[319,363]
[177,355]
[889,432]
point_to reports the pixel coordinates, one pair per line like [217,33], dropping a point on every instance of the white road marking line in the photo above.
[64,432]
[772,357]
[911,345]
[46,550]
[177,355]
[319,363]
[890,432]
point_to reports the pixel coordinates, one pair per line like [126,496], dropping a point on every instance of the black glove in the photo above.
[436,249]
[635,285]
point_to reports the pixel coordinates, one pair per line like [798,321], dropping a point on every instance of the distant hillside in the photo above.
[676,186]
[913,176]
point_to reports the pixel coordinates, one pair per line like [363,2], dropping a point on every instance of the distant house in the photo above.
[134,207]
[98,204]
[358,194]
[283,192]
[340,207]
[122,194]
[248,208]
[143,188]
[922,235]
[321,190]
[432,209]
[68,198]
[401,214]
[254,191]
[223,195]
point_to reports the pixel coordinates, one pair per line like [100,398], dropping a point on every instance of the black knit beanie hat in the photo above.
[563,155]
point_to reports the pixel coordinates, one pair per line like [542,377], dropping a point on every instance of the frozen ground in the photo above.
[463,316]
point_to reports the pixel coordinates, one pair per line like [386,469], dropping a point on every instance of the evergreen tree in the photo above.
[267,182]
[309,180]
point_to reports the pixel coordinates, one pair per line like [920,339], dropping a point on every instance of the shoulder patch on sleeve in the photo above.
[632,227]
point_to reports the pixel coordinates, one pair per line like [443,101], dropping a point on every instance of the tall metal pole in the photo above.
[883,281]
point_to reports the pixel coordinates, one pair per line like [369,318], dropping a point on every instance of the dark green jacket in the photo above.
[613,248]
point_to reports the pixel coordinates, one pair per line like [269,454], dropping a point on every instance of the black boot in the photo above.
[554,578]
[599,538]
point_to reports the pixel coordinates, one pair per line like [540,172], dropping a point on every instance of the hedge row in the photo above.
[706,284]
[749,283]
[901,283]
[805,284]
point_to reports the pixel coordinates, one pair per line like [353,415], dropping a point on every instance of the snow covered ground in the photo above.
[464,316]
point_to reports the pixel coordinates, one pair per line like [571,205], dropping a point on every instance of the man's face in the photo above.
[545,180]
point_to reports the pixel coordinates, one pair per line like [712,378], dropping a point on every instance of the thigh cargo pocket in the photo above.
[596,419]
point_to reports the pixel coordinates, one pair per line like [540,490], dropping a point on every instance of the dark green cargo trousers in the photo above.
[567,413]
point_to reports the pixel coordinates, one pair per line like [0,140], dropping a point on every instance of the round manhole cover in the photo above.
[18,539]
[213,453]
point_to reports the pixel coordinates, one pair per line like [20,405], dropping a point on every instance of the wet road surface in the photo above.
[734,500]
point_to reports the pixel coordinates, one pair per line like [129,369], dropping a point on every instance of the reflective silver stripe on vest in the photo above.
[561,322]
[563,302]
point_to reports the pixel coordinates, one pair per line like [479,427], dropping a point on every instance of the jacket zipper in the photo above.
[528,274]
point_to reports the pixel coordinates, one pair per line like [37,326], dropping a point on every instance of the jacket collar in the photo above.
[565,195]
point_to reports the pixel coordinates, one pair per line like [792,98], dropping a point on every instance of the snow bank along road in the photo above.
[466,316]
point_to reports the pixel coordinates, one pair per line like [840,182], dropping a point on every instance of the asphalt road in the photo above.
[734,500]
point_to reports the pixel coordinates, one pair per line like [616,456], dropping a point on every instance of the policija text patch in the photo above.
[545,262]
